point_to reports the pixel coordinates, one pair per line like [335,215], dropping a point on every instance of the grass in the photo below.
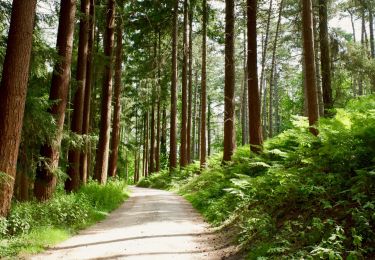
[304,197]
[32,226]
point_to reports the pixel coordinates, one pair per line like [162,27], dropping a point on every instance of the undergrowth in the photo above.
[303,197]
[31,226]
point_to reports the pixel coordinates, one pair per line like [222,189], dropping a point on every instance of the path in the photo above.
[151,224]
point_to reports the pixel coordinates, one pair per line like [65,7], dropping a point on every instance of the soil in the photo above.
[151,224]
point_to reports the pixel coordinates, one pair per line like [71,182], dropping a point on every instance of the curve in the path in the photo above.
[151,224]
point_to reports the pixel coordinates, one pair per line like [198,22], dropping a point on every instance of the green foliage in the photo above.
[304,196]
[62,214]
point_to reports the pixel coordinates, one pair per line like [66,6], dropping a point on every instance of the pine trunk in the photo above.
[115,141]
[13,90]
[102,152]
[325,56]
[310,71]
[45,180]
[203,89]
[173,128]
[84,165]
[255,127]
[190,88]
[73,181]
[229,126]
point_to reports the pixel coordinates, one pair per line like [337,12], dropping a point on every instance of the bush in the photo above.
[63,212]
[303,197]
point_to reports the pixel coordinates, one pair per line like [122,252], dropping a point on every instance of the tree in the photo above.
[183,145]
[255,128]
[173,122]
[309,60]
[87,99]
[229,126]
[102,152]
[203,102]
[45,180]
[190,87]
[325,56]
[72,183]
[115,141]
[13,94]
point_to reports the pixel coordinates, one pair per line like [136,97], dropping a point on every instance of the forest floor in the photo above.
[151,224]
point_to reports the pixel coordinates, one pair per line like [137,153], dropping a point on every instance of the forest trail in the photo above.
[151,224]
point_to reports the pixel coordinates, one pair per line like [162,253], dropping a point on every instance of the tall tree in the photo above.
[229,126]
[203,102]
[255,127]
[158,118]
[190,87]
[183,145]
[272,73]
[87,100]
[309,60]
[13,90]
[244,121]
[72,183]
[102,152]
[45,180]
[173,128]
[115,141]
[325,56]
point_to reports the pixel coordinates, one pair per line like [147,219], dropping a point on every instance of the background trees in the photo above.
[222,102]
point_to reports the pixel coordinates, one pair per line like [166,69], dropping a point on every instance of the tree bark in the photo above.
[73,181]
[193,140]
[209,126]
[173,128]
[310,71]
[184,103]
[13,90]
[229,126]
[273,65]
[203,89]
[45,180]
[190,88]
[263,86]
[244,103]
[158,123]
[255,127]
[84,165]
[115,141]
[102,152]
[325,56]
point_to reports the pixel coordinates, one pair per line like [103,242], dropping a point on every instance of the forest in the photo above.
[259,113]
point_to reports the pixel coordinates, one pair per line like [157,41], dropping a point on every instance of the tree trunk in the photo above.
[115,141]
[371,22]
[317,61]
[158,123]
[184,103]
[229,126]
[102,152]
[193,140]
[244,93]
[209,126]
[84,166]
[203,88]
[147,127]
[325,56]
[310,71]
[72,183]
[263,64]
[173,128]
[255,127]
[163,139]
[273,65]
[45,180]
[190,88]
[152,139]
[13,90]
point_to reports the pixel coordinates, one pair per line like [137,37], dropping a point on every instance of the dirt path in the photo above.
[151,224]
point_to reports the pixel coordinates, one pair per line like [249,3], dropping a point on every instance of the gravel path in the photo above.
[151,224]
